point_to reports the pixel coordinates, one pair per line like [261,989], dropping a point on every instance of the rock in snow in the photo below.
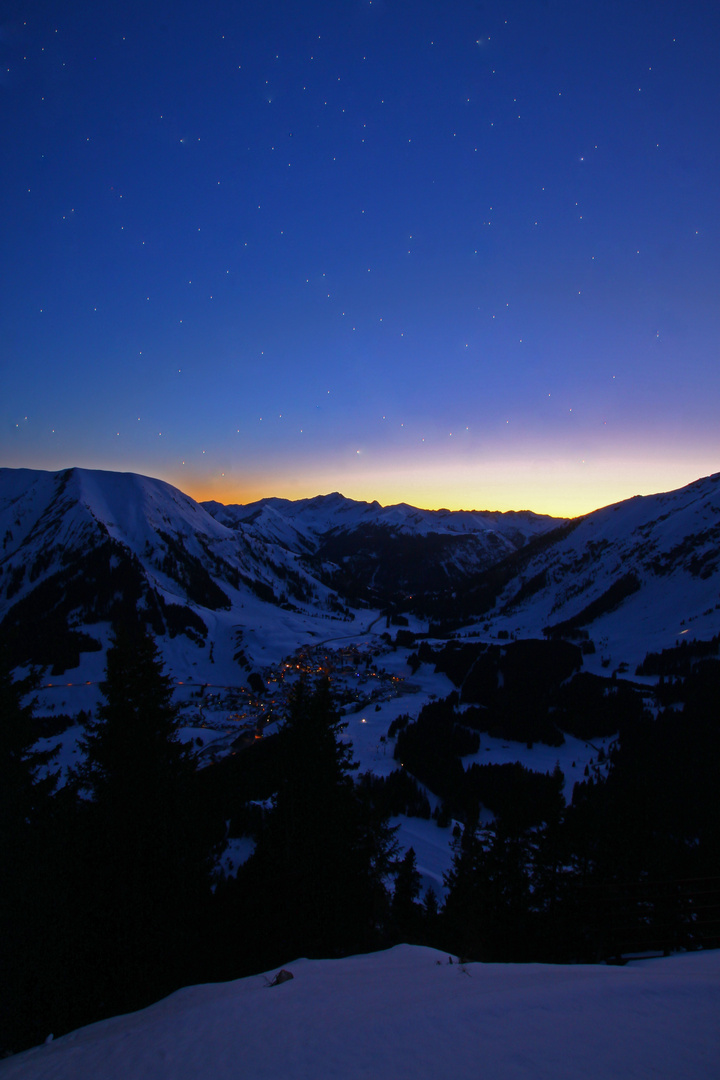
[408,1012]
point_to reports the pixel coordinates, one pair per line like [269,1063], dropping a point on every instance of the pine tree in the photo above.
[462,915]
[320,861]
[508,894]
[430,917]
[27,785]
[487,910]
[405,912]
[148,856]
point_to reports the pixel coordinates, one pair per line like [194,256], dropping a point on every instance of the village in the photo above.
[238,715]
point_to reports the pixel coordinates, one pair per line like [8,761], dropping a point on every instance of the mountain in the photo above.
[640,573]
[411,1011]
[372,553]
[312,518]
[82,548]
[230,591]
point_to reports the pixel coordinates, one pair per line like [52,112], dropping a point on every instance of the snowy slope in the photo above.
[408,1012]
[56,507]
[666,549]
[168,547]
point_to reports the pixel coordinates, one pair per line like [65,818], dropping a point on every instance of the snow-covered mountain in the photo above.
[411,1011]
[644,572]
[80,546]
[312,518]
[229,585]
[371,552]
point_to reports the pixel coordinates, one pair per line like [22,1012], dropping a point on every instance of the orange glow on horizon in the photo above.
[545,486]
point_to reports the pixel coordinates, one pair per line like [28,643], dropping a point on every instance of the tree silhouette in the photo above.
[26,917]
[25,782]
[405,912]
[487,910]
[323,853]
[148,855]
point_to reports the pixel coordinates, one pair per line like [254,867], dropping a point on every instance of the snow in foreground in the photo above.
[407,1012]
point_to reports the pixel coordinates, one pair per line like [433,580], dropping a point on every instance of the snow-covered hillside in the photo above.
[46,517]
[635,576]
[57,507]
[80,546]
[228,603]
[410,1012]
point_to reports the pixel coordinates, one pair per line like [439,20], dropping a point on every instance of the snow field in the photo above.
[407,1012]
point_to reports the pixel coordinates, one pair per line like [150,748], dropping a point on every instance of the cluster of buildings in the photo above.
[356,679]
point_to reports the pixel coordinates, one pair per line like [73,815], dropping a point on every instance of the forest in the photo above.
[112,894]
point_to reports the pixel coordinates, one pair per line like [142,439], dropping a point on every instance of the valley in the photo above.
[244,601]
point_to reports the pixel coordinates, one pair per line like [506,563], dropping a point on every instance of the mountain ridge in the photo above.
[179,552]
[668,543]
[80,546]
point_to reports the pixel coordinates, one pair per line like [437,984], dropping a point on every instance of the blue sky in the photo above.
[453,254]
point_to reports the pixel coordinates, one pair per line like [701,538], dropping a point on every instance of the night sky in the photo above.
[444,252]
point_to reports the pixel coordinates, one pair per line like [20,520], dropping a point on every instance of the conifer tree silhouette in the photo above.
[27,784]
[148,856]
[322,856]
